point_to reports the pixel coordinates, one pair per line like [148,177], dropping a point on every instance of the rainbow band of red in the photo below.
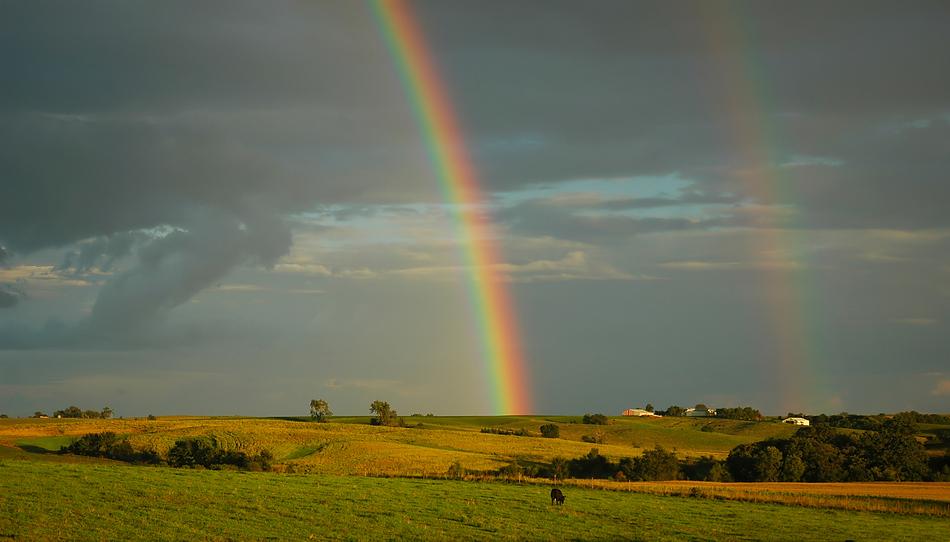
[488,292]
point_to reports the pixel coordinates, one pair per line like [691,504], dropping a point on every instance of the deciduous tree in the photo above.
[320,410]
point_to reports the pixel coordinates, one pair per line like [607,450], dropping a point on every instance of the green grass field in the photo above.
[45,495]
[50,501]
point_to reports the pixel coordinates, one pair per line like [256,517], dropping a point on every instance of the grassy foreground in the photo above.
[45,500]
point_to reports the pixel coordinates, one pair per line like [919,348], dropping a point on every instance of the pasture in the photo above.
[50,501]
[399,489]
[427,448]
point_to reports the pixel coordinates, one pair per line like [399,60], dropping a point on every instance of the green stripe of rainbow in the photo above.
[459,181]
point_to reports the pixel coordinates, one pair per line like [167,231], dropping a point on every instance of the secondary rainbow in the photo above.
[445,144]
[791,299]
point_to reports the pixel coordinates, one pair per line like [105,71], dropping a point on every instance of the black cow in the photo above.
[557,496]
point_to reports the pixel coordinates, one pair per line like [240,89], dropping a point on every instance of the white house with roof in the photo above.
[700,412]
[797,421]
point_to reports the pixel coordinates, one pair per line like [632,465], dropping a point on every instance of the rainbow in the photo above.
[789,299]
[445,144]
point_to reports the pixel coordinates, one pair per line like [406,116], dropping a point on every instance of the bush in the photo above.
[205,452]
[597,437]
[111,446]
[511,470]
[655,464]
[550,430]
[511,432]
[456,470]
[596,419]
[592,465]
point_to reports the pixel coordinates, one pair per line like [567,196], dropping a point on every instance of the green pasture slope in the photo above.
[689,436]
[42,500]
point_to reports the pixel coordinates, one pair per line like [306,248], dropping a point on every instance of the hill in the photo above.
[349,445]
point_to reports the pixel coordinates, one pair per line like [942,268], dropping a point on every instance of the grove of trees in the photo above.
[812,454]
[203,452]
[76,412]
[384,414]
[822,454]
[596,419]
[739,413]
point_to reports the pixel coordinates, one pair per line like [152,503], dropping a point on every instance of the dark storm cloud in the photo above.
[710,91]
[182,135]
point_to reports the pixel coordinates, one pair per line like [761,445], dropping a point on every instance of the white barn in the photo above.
[638,412]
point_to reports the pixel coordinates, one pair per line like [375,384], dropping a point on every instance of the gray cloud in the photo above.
[8,299]
[575,222]
[176,145]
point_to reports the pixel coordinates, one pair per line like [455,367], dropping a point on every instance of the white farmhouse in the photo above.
[700,413]
[796,421]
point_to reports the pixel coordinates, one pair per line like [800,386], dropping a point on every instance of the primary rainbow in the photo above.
[500,337]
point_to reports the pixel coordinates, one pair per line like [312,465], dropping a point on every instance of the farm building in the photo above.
[700,412]
[797,421]
[639,412]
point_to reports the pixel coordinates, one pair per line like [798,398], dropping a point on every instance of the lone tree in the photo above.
[106,413]
[385,415]
[320,410]
[648,408]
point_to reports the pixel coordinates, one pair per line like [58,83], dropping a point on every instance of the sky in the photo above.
[227,207]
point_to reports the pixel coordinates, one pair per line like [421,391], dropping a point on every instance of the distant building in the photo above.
[700,413]
[639,412]
[796,421]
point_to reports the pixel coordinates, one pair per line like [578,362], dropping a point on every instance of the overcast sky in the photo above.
[226,207]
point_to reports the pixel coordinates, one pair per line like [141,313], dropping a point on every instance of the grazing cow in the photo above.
[557,496]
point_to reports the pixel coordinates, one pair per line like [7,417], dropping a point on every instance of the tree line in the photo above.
[76,412]
[812,454]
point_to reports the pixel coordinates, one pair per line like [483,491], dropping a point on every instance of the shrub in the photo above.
[111,446]
[550,430]
[456,470]
[655,464]
[205,452]
[510,432]
[596,419]
[597,437]
[592,465]
[560,468]
[511,470]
